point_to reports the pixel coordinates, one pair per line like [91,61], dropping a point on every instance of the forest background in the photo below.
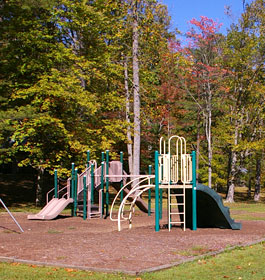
[110,74]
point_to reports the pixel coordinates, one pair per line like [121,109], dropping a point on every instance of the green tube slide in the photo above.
[211,213]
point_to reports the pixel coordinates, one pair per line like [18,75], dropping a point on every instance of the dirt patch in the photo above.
[97,244]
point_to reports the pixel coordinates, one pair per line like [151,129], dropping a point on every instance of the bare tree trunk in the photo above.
[40,173]
[127,112]
[208,131]
[229,169]
[231,183]
[249,187]
[257,179]
[232,179]
[136,94]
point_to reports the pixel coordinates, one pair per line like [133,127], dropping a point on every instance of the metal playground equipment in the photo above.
[175,171]
[88,192]
[175,174]
[10,214]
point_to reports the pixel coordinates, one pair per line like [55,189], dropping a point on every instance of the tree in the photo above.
[244,56]
[58,83]
[201,77]
[145,33]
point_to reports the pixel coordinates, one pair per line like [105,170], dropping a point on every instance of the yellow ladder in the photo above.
[176,208]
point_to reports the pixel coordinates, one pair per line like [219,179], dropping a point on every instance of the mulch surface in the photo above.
[96,244]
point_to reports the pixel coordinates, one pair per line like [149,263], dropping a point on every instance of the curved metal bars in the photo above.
[120,215]
[147,177]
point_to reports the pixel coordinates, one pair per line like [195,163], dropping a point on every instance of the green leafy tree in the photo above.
[59,92]
[244,117]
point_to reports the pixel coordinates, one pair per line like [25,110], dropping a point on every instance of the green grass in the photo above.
[247,211]
[240,263]
[256,207]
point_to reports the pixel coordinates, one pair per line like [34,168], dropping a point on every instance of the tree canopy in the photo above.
[97,75]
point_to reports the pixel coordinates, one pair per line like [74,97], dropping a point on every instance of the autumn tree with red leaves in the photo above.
[201,77]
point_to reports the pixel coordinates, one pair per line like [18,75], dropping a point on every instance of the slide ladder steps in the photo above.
[176,208]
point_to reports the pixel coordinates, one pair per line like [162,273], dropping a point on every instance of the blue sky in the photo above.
[181,11]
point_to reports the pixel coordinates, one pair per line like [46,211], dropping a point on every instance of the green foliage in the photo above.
[58,83]
[62,84]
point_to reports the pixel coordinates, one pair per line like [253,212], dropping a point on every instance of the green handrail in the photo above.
[84,198]
[72,186]
[107,183]
[92,183]
[194,198]
[157,226]
[75,192]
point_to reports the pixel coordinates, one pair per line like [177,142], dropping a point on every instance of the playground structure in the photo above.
[174,170]
[88,192]
[188,204]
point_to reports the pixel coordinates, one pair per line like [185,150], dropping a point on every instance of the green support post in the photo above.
[103,180]
[102,184]
[157,227]
[107,183]
[84,198]
[87,158]
[194,198]
[55,184]
[92,183]
[149,191]
[160,203]
[121,160]
[75,192]
[72,186]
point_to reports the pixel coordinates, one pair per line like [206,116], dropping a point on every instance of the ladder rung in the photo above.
[176,222]
[177,213]
[179,194]
[181,204]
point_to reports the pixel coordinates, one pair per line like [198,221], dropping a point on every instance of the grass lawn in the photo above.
[240,263]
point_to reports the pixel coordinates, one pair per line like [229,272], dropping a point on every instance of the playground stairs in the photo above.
[176,207]
[94,210]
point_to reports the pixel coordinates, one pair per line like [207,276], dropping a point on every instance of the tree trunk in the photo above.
[231,183]
[40,172]
[127,112]
[233,172]
[208,132]
[257,179]
[249,187]
[136,94]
